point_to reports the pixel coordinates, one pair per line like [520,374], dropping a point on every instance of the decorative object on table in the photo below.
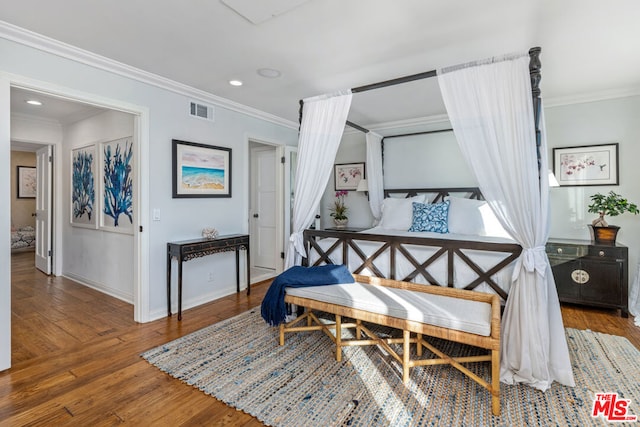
[83,184]
[26,178]
[209,233]
[339,209]
[348,175]
[227,359]
[586,165]
[200,170]
[117,210]
[613,205]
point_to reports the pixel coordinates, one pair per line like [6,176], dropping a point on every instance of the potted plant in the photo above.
[339,209]
[611,204]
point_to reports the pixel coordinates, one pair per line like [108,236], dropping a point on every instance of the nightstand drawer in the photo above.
[573,251]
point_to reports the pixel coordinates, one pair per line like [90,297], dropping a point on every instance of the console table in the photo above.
[590,274]
[186,250]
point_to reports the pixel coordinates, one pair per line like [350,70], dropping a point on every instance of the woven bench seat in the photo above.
[438,310]
[463,316]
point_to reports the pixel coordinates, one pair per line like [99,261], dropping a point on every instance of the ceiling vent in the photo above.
[199,110]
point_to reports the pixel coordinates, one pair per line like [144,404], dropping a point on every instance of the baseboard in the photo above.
[100,287]
[191,303]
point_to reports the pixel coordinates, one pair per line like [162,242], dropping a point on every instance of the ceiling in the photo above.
[589,47]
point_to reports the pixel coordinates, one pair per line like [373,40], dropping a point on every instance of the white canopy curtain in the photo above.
[321,130]
[374,174]
[490,108]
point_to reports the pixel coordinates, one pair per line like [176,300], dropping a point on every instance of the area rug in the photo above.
[239,362]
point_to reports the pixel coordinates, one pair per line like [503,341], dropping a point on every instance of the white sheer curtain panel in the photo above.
[490,107]
[634,297]
[374,175]
[323,121]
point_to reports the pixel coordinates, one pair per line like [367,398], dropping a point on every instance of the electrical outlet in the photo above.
[211,276]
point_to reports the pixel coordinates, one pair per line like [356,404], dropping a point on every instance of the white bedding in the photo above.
[463,274]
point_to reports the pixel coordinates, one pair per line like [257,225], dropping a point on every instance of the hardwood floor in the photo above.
[76,356]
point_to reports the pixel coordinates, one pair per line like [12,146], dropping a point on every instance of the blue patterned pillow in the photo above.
[430,217]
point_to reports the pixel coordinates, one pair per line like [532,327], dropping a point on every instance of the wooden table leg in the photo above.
[168,282]
[248,272]
[179,288]
[237,269]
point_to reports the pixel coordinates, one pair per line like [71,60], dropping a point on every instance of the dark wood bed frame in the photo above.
[400,245]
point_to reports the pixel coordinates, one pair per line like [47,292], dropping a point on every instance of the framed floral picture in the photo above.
[26,182]
[348,175]
[586,165]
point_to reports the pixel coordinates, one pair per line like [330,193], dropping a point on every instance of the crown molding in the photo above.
[46,44]
[583,98]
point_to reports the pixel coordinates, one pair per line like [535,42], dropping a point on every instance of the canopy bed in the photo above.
[500,132]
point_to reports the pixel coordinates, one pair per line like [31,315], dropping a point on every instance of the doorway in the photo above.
[264,214]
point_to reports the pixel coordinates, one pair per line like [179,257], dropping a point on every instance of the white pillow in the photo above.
[397,213]
[474,217]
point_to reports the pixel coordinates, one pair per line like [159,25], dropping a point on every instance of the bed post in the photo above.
[534,72]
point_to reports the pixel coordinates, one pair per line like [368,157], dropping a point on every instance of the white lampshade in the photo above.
[553,182]
[362,185]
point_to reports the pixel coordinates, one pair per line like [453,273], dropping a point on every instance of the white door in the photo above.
[43,209]
[290,165]
[263,208]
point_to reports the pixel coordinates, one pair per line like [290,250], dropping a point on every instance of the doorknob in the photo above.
[255,215]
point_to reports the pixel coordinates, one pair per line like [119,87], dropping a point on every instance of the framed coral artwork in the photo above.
[83,211]
[116,185]
[586,165]
[348,175]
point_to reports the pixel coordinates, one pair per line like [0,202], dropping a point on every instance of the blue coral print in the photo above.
[83,196]
[118,182]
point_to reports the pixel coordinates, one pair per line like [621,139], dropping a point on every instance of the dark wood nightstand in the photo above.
[590,274]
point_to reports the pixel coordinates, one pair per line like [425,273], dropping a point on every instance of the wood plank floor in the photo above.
[76,356]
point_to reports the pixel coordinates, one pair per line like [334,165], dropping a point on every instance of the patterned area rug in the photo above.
[239,362]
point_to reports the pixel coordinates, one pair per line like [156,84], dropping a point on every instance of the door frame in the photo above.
[141,295]
[278,147]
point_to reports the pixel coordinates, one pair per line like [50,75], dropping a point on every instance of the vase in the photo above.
[341,223]
[604,235]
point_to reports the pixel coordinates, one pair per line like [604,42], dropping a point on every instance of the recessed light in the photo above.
[33,102]
[235,82]
[269,73]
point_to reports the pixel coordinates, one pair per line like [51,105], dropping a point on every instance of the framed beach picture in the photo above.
[586,165]
[200,170]
[84,212]
[116,185]
[26,182]
[348,175]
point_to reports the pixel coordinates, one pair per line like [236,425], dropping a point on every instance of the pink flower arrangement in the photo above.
[339,209]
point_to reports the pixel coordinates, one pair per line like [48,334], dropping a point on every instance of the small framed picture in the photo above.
[348,175]
[586,165]
[201,170]
[26,182]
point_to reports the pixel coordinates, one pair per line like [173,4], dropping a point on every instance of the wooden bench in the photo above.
[417,310]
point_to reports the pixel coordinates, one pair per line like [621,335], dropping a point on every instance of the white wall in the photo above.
[168,119]
[31,129]
[89,255]
[602,122]
[5,226]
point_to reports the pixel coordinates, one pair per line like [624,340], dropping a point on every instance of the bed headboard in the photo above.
[436,194]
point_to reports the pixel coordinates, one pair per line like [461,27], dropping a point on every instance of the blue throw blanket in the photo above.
[273,307]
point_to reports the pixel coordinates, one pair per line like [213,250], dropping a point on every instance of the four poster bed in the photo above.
[468,257]
[501,136]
